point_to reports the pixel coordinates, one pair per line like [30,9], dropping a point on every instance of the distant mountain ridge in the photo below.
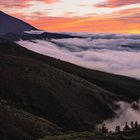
[11,24]
[13,29]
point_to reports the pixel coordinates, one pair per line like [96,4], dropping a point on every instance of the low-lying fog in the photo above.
[126,114]
[119,54]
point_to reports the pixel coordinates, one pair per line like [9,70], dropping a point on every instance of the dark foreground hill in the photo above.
[17,124]
[49,96]
[133,134]
[43,90]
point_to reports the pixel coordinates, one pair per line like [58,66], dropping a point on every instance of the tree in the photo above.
[132,124]
[126,127]
[136,124]
[117,129]
[104,129]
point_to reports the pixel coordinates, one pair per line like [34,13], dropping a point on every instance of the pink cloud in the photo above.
[117,3]
[50,1]
[22,3]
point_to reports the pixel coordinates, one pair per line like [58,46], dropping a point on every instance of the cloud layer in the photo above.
[126,113]
[119,54]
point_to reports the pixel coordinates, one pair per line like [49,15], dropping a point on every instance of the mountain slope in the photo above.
[64,95]
[43,90]
[18,124]
[124,87]
[10,24]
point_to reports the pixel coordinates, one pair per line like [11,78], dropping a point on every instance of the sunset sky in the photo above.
[109,16]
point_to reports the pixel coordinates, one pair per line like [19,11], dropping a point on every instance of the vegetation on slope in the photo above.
[64,99]
[124,87]
[66,96]
[129,135]
[17,124]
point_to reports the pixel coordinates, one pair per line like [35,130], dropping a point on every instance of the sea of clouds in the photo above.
[113,53]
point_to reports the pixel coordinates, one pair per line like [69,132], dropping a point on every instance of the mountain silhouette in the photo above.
[13,29]
[11,24]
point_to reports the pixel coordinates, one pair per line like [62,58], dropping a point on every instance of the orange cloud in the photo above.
[117,3]
[124,21]
[109,25]
[128,13]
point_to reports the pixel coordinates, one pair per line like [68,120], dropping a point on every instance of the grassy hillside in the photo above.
[124,87]
[66,96]
[129,135]
[17,124]
[64,99]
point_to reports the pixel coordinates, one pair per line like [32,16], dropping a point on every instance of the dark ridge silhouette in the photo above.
[13,29]
[9,24]
[17,124]
[26,36]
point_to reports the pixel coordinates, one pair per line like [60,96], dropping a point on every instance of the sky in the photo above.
[100,16]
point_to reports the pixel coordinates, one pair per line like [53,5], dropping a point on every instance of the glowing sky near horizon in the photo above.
[117,16]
